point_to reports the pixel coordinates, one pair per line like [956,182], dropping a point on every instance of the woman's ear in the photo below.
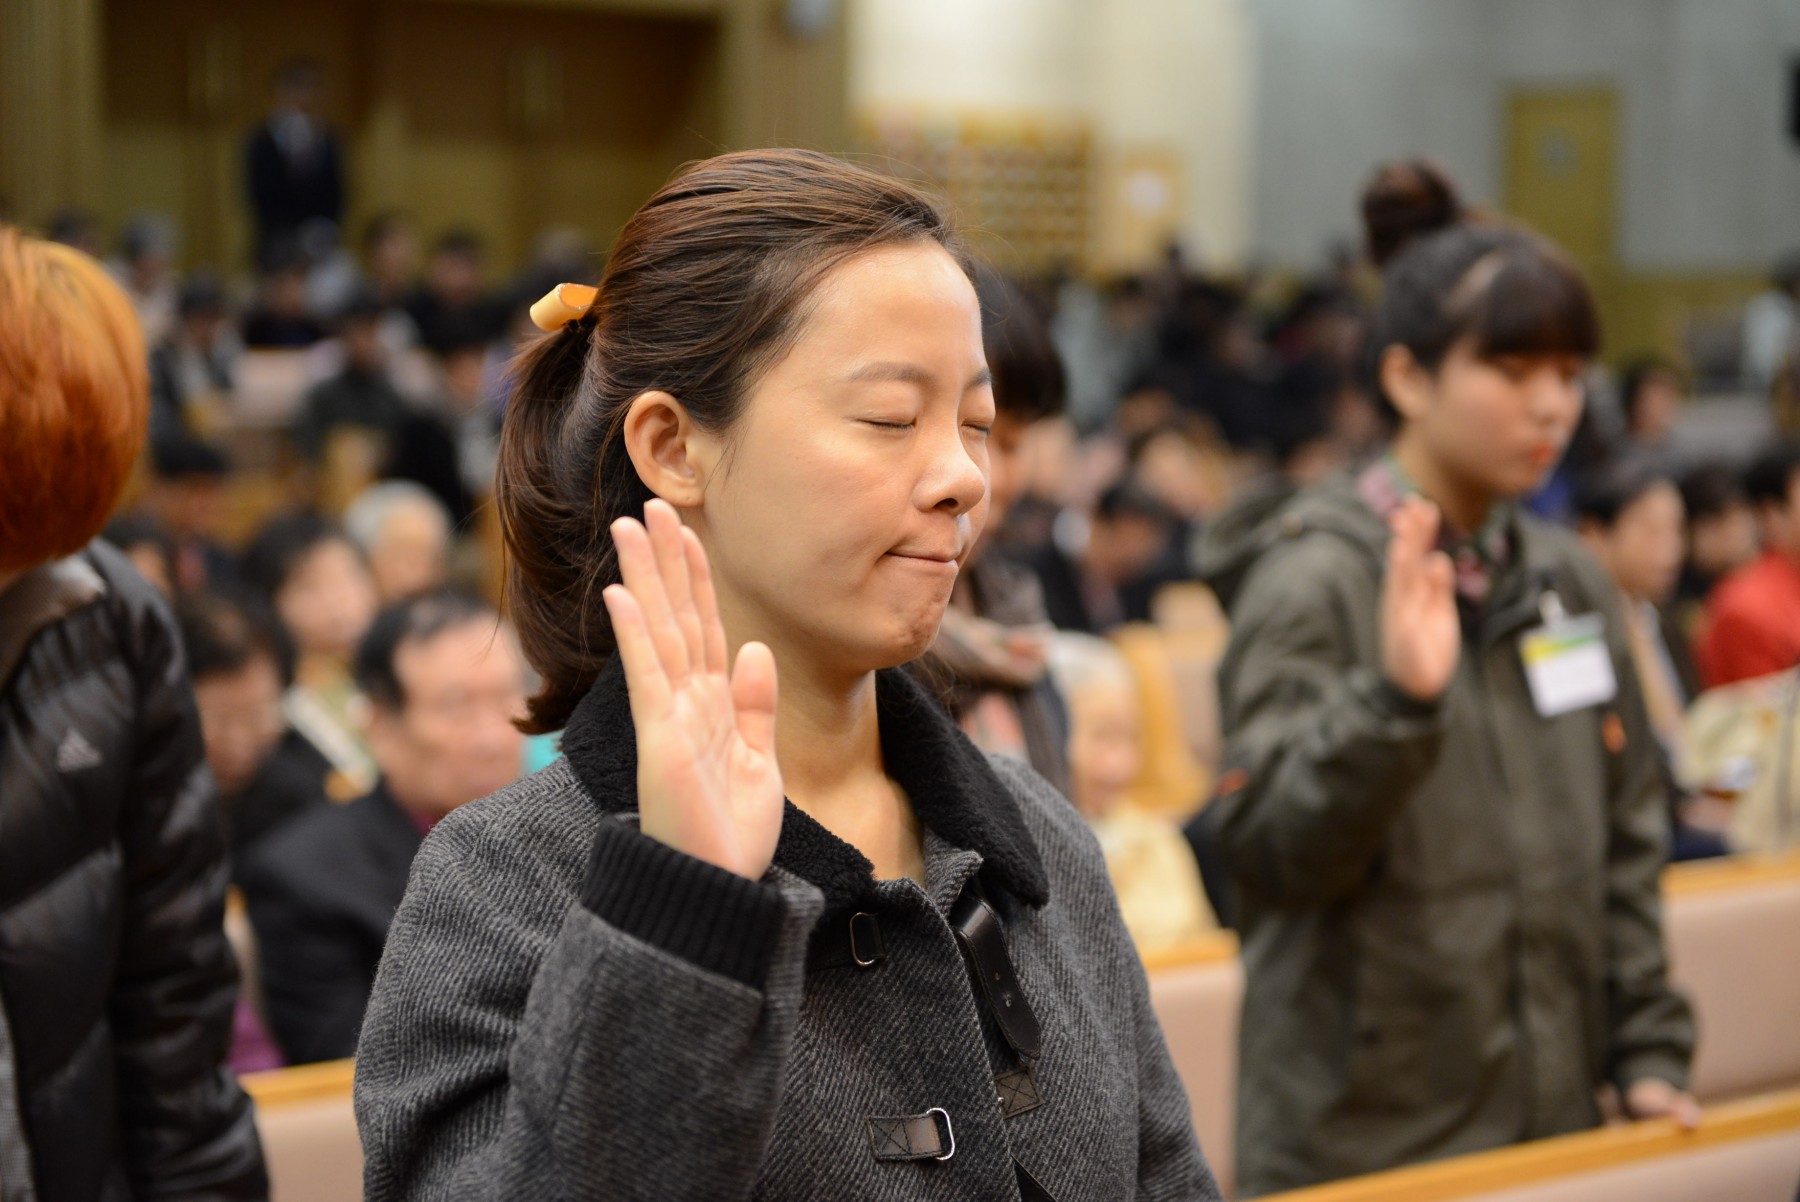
[1405,382]
[660,436]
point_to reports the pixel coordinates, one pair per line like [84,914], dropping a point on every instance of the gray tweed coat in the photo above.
[568,1009]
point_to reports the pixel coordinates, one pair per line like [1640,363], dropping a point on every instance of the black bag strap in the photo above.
[1030,1189]
[982,937]
[983,941]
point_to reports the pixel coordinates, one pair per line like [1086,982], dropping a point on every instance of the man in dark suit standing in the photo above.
[294,164]
[444,687]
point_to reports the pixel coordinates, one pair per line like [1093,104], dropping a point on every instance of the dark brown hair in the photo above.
[1450,273]
[706,289]
[1030,382]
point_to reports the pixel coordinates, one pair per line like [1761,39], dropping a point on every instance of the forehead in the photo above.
[259,671]
[413,521]
[903,297]
[1661,499]
[328,555]
[472,652]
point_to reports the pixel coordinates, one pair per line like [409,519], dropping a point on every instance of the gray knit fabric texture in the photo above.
[518,1047]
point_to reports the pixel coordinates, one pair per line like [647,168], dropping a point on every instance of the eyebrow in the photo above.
[908,373]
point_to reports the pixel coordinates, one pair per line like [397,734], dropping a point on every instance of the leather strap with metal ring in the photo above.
[983,941]
[928,1136]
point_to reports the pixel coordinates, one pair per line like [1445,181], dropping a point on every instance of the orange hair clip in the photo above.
[561,305]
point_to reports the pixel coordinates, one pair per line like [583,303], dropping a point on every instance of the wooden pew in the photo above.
[1745,1151]
[1197,991]
[1733,929]
[308,1132]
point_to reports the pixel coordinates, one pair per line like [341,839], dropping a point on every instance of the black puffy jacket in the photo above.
[116,982]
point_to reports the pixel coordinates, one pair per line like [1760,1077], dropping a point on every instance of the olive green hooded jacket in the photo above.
[1450,916]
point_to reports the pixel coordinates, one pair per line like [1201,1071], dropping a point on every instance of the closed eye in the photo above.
[889,425]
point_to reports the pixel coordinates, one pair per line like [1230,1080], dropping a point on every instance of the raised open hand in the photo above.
[1421,633]
[708,784]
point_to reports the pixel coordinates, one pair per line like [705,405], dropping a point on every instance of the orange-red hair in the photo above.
[74,398]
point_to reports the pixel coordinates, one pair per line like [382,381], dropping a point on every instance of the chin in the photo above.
[1523,482]
[904,640]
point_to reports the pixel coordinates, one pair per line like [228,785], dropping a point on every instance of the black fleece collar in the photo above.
[952,788]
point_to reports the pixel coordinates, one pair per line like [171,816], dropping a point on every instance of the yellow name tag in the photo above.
[1568,665]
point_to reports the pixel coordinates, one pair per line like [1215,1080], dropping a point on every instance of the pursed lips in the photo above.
[940,557]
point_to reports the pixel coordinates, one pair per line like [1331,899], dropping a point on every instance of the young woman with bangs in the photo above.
[1441,804]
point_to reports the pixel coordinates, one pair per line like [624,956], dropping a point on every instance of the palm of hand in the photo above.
[1421,631]
[726,796]
[708,781]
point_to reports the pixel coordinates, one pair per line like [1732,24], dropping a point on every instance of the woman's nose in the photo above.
[957,477]
[1555,397]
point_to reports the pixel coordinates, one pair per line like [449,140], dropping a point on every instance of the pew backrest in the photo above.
[308,1129]
[1197,992]
[1733,931]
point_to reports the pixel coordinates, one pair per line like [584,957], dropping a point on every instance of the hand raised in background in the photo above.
[1421,633]
[708,783]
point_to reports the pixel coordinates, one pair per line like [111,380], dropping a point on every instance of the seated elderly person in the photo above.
[1152,868]
[444,681]
[403,531]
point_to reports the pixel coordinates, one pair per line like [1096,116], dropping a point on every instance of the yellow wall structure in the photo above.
[1562,151]
[1159,88]
[506,116]
[49,104]
[1656,312]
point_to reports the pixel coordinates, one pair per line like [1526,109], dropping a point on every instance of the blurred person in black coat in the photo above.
[451,447]
[444,685]
[361,395]
[294,163]
[280,320]
[1102,583]
[188,495]
[191,368]
[241,664]
[453,307]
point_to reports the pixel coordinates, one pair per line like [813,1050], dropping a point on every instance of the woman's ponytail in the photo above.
[553,565]
[1406,201]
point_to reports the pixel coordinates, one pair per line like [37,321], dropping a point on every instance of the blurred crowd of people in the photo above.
[355,680]
[1135,414]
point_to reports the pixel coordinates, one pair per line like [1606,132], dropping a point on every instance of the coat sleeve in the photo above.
[188,1128]
[1321,752]
[636,1052]
[1651,1024]
[1171,1163]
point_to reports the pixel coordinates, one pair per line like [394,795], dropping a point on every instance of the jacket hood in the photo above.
[1275,511]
